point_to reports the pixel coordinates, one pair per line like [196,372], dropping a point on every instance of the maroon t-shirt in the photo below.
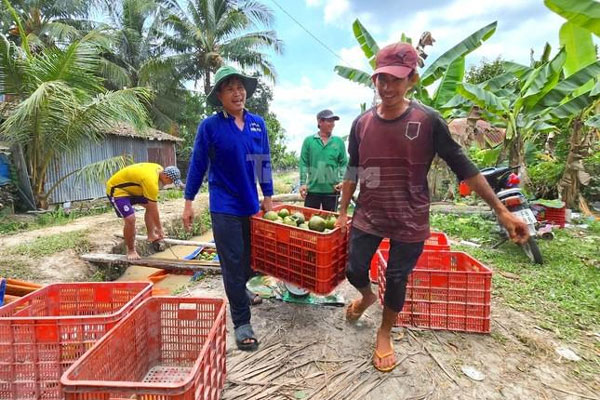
[391,158]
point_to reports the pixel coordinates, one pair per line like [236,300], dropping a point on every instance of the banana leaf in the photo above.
[544,80]
[594,121]
[366,42]
[570,85]
[355,75]
[484,98]
[572,107]
[596,89]
[452,78]
[584,13]
[455,102]
[579,46]
[498,82]
[439,66]
[517,70]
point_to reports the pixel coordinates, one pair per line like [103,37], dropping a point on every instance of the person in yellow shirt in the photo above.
[139,184]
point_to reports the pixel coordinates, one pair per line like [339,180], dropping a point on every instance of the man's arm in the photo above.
[266,183]
[517,228]
[153,215]
[350,178]
[196,171]
[303,164]
[343,163]
[452,153]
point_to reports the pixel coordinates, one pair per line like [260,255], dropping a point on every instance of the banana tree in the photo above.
[531,100]
[583,20]
[449,67]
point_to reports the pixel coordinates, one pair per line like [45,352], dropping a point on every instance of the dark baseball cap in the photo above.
[398,59]
[326,114]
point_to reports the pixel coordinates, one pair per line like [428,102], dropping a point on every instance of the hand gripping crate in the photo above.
[43,333]
[314,261]
[437,241]
[167,348]
[447,290]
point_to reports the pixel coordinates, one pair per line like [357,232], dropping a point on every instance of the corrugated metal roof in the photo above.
[149,133]
[484,132]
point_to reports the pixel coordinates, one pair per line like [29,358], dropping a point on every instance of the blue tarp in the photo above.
[4,170]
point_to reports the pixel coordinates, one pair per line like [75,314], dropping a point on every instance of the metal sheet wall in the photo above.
[73,190]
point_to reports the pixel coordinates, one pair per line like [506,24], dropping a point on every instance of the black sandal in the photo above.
[255,299]
[243,333]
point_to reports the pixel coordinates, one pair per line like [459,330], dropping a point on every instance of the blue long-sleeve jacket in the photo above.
[235,160]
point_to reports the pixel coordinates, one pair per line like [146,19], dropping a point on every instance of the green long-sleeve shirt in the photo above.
[322,166]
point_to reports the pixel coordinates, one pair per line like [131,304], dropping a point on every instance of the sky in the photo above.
[307,83]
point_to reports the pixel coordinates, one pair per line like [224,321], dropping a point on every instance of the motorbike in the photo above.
[505,183]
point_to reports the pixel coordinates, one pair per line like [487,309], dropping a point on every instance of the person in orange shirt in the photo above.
[139,184]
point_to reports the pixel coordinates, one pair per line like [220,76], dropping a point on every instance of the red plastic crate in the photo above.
[447,290]
[43,333]
[556,216]
[311,260]
[167,348]
[437,241]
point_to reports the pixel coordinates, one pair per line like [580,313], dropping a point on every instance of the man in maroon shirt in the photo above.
[391,147]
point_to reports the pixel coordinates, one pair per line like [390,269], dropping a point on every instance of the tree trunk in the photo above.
[206,82]
[516,157]
[569,184]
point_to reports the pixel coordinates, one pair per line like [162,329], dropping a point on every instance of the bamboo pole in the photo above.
[210,267]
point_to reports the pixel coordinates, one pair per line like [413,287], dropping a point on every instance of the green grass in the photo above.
[47,245]
[170,194]
[285,181]
[15,224]
[18,269]
[563,293]
[201,224]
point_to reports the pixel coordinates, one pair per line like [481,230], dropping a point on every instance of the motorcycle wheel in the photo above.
[532,251]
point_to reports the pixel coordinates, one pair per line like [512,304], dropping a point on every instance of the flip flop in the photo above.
[380,357]
[352,315]
[255,299]
[245,332]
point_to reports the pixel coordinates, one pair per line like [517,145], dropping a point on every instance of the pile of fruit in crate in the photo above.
[316,223]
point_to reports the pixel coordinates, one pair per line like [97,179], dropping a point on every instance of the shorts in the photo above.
[124,205]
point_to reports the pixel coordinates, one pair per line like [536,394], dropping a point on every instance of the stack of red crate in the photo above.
[168,348]
[45,332]
[437,241]
[447,290]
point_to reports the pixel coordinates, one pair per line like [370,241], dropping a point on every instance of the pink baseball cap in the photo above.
[398,59]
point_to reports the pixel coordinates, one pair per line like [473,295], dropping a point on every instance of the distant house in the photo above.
[149,146]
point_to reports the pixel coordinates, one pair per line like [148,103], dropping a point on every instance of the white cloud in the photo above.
[296,106]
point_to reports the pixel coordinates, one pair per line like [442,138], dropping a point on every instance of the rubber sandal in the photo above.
[380,357]
[351,314]
[245,332]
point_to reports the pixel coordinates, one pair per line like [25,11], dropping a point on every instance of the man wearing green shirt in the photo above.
[323,163]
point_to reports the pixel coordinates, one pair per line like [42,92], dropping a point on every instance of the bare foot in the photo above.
[384,358]
[358,306]
[133,255]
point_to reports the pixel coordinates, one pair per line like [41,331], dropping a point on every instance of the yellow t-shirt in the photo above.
[135,180]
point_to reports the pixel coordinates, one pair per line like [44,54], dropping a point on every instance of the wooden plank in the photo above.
[162,263]
[174,241]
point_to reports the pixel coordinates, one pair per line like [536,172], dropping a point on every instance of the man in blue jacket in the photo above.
[233,146]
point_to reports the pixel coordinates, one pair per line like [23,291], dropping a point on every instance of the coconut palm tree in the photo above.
[59,101]
[137,56]
[46,22]
[208,33]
